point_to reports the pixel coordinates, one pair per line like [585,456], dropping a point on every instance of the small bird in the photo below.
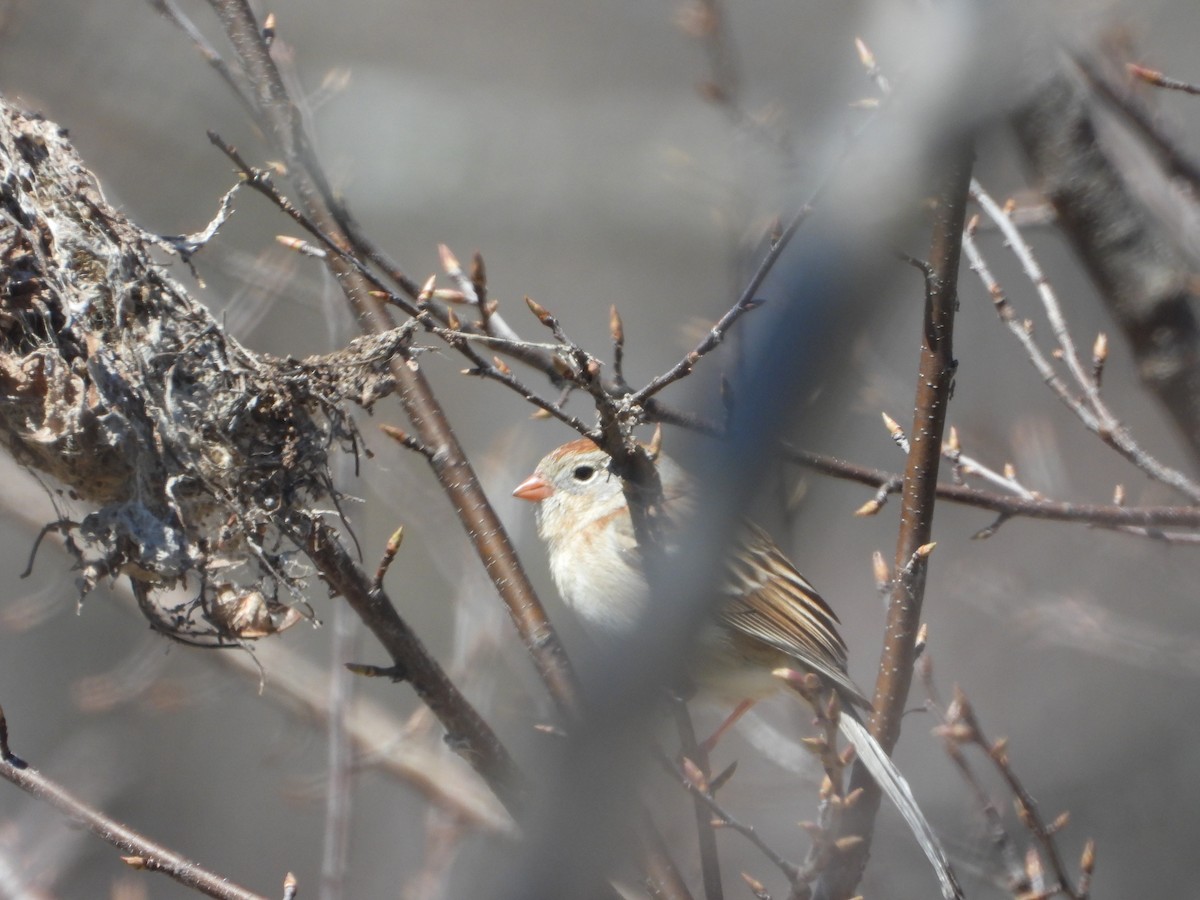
[772,617]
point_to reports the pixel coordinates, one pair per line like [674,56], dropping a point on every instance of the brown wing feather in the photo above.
[773,603]
[770,602]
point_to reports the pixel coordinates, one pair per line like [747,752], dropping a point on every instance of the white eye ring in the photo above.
[583,473]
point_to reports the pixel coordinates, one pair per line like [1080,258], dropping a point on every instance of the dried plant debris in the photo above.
[201,460]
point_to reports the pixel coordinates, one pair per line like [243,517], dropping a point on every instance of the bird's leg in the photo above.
[732,719]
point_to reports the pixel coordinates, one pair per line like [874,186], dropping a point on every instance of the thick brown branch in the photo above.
[466,731]
[448,460]
[934,384]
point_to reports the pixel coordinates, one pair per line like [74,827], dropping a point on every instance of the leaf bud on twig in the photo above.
[540,311]
[427,289]
[449,260]
[865,56]
[615,327]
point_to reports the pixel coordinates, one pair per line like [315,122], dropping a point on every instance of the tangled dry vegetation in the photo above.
[202,459]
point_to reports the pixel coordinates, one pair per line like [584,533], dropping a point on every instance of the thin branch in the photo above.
[1101,515]
[1092,411]
[707,21]
[538,357]
[966,465]
[1017,880]
[140,851]
[699,790]
[235,79]
[745,303]
[499,372]
[748,300]
[1158,79]
[963,727]
[1177,161]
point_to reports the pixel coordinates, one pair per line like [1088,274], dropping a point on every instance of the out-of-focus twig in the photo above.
[1177,161]
[696,757]
[1158,79]
[340,770]
[695,783]
[1015,877]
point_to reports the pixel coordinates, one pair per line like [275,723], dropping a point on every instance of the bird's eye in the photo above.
[584,473]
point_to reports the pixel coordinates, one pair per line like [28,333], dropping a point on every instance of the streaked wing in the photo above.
[773,603]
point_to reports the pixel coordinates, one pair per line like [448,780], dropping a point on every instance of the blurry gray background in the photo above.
[568,143]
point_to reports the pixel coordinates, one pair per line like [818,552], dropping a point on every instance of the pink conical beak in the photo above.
[535,488]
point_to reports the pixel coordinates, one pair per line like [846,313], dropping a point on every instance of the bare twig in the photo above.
[498,371]
[1016,878]
[716,335]
[1158,79]
[141,852]
[1096,514]
[707,22]
[962,727]
[1177,161]
[699,789]
[235,79]
[1091,410]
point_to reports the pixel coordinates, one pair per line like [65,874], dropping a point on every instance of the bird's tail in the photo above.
[892,783]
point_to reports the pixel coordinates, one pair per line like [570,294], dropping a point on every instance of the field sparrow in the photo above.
[773,618]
